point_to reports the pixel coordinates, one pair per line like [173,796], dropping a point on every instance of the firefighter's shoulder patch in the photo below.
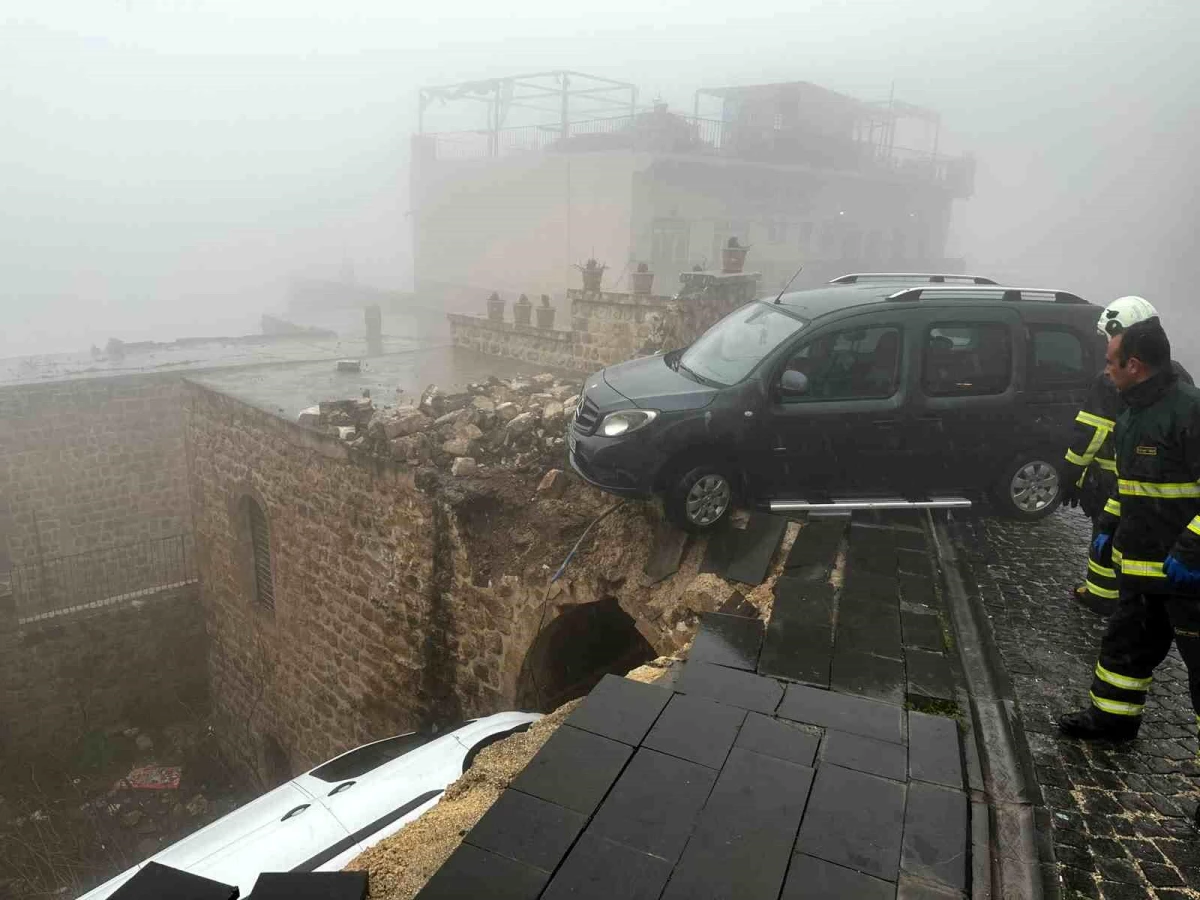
[1144,450]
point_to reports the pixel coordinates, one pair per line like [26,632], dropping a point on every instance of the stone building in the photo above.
[804,174]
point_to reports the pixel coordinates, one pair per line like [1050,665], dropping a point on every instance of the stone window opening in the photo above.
[260,546]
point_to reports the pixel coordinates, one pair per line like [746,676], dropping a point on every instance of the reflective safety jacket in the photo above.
[1091,463]
[1154,510]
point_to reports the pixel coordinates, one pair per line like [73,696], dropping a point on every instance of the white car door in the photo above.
[364,802]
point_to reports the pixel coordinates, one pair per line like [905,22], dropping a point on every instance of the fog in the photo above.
[166,166]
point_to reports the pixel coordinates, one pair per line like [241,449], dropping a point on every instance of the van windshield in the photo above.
[729,351]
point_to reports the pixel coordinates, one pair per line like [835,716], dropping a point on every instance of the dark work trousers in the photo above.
[1101,584]
[1138,638]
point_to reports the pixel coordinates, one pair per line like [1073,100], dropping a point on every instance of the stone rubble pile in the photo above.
[496,423]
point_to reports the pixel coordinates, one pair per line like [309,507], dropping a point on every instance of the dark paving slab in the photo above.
[471,872]
[730,686]
[799,639]
[810,878]
[872,587]
[929,674]
[308,886]
[744,838]
[935,835]
[856,715]
[855,820]
[777,738]
[752,555]
[654,804]
[722,544]
[933,750]
[155,881]
[574,769]
[911,538]
[696,729]
[866,675]
[915,562]
[922,630]
[527,829]
[863,754]
[803,602]
[600,869]
[910,888]
[732,641]
[797,652]
[880,638]
[665,553]
[737,605]
[620,709]
[815,549]
[871,549]
[919,591]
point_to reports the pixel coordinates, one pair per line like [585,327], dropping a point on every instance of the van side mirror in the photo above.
[793,383]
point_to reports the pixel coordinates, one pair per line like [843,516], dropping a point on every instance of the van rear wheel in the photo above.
[700,499]
[1030,487]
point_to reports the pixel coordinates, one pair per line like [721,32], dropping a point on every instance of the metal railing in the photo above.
[673,133]
[102,577]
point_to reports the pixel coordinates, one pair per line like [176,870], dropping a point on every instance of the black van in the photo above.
[873,392]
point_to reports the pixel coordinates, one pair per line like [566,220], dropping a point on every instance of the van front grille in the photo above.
[587,416]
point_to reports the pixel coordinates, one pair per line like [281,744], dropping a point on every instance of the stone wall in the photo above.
[351,651]
[608,327]
[64,676]
[90,464]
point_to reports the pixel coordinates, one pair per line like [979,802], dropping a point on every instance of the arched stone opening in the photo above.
[576,650]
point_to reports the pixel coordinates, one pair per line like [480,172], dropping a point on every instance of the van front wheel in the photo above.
[1030,488]
[700,499]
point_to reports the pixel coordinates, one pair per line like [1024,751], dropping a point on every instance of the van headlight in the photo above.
[626,420]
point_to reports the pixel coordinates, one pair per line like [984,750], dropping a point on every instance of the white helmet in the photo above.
[1123,312]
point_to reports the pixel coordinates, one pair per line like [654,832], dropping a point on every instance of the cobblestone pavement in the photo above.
[1120,813]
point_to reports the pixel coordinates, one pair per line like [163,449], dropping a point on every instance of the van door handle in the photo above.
[295,811]
[884,423]
[345,785]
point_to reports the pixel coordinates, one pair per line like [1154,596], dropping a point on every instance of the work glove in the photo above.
[1070,493]
[1179,575]
[1102,550]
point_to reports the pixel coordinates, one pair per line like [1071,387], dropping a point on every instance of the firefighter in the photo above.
[1090,473]
[1150,530]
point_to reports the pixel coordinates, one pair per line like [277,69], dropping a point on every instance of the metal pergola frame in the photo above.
[534,91]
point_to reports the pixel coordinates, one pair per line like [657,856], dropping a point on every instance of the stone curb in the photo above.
[1010,857]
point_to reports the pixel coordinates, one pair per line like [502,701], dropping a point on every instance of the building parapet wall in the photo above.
[609,327]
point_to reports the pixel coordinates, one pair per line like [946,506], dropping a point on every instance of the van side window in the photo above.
[860,364]
[1056,357]
[966,359]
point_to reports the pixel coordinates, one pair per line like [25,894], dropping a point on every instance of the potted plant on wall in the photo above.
[592,272]
[545,313]
[733,256]
[522,310]
[495,307]
[642,280]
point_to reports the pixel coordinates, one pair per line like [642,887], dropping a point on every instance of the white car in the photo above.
[320,820]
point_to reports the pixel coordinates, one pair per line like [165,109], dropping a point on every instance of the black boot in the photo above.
[1092,726]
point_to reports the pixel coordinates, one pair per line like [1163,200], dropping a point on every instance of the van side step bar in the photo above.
[869,504]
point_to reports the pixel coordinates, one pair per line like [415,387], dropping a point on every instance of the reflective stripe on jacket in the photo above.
[1154,510]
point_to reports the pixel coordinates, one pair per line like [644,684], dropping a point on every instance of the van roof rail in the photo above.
[982,291]
[931,277]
